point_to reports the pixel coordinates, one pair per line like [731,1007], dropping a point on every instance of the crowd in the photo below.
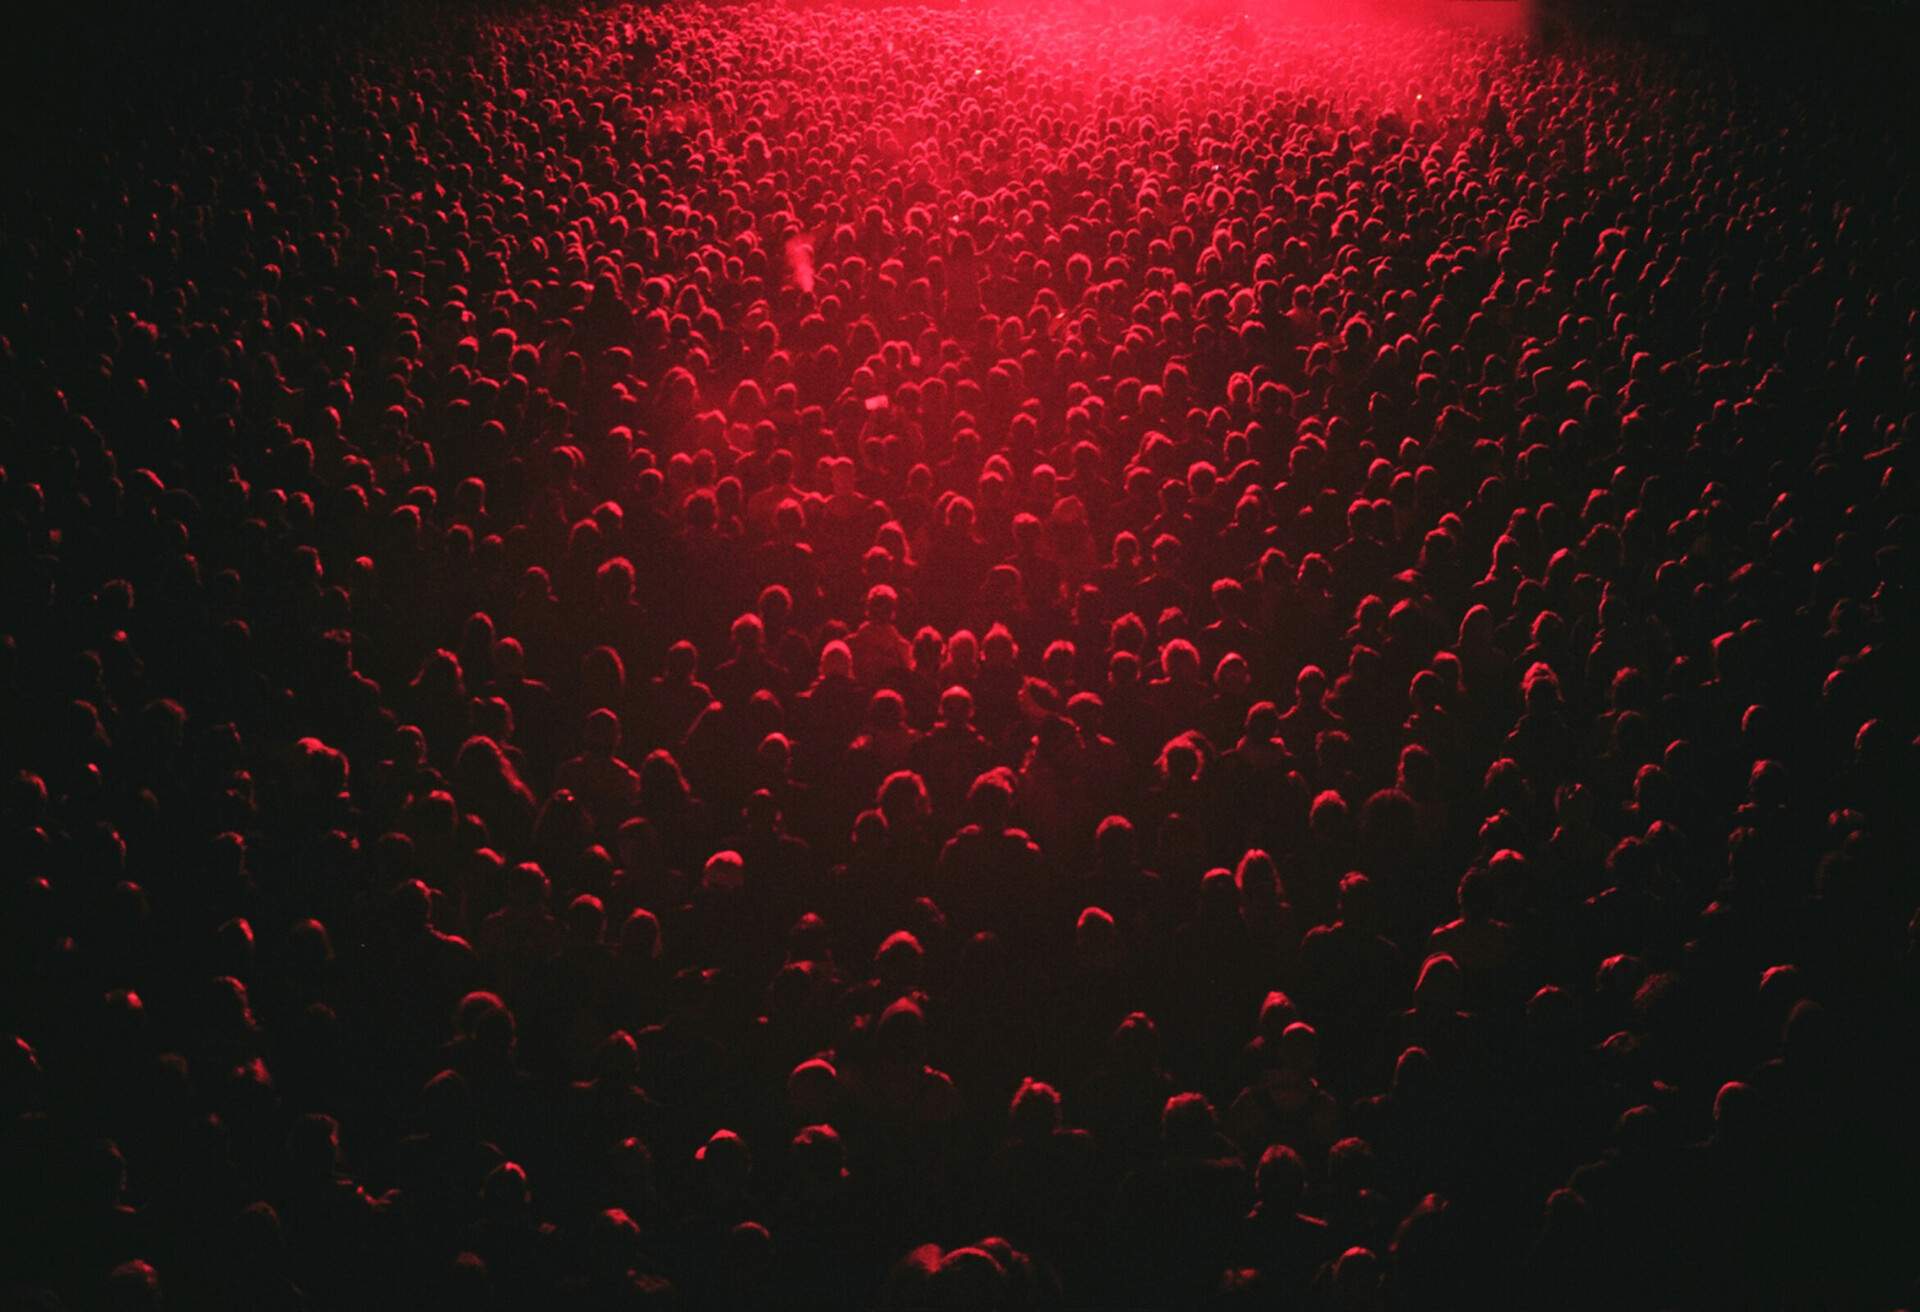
[726,657]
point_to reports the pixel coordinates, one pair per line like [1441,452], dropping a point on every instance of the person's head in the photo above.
[900,1035]
[1181,760]
[1299,1048]
[1059,662]
[902,798]
[1135,1043]
[1257,877]
[928,649]
[1115,843]
[1231,675]
[1357,902]
[1417,774]
[970,1277]
[990,800]
[1180,660]
[813,1090]
[1167,549]
[1261,724]
[1089,711]
[748,633]
[899,960]
[640,935]
[1476,894]
[1035,1111]
[133,1286]
[774,606]
[819,1158]
[586,918]
[257,1238]
[1736,1114]
[602,671]
[956,706]
[998,647]
[1280,1181]
[1188,1123]
[614,581]
[1329,818]
[1540,688]
[1096,938]
[683,661]
[508,657]
[481,769]
[1277,1012]
[602,732]
[836,660]
[528,887]
[870,829]
[1026,531]
[723,1167]
[1440,987]
[313,1146]
[505,1194]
